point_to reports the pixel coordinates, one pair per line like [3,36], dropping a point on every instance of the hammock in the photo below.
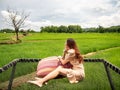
[14,63]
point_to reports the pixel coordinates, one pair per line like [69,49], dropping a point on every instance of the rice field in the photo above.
[40,45]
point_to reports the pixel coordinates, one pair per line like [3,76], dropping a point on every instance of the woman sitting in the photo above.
[72,55]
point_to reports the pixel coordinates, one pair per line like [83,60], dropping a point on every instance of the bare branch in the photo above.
[16,19]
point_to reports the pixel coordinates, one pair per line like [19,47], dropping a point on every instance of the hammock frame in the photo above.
[14,63]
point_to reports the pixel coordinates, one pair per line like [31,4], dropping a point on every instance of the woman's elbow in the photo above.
[63,62]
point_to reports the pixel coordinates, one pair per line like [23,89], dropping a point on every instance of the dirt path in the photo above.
[22,79]
[14,37]
[17,81]
[93,53]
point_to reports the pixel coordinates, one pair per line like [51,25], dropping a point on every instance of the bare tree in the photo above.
[16,19]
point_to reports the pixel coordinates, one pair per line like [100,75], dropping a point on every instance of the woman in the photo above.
[72,55]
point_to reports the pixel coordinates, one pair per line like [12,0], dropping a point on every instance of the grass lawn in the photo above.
[5,36]
[40,45]
[95,79]
[113,56]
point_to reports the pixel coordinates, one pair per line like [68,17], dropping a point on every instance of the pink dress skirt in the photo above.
[47,65]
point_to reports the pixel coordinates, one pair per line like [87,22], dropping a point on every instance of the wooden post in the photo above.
[109,77]
[12,76]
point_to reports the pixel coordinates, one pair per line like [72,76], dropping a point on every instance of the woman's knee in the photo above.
[59,68]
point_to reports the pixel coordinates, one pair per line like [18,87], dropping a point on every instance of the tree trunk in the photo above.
[17,36]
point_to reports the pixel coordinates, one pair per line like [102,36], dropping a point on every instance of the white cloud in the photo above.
[5,14]
[87,13]
[105,21]
[29,24]
[36,25]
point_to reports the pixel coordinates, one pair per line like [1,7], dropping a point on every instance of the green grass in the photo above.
[113,56]
[87,42]
[5,36]
[38,48]
[59,36]
[40,45]
[95,79]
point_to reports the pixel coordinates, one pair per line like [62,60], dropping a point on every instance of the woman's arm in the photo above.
[68,55]
[64,52]
[63,61]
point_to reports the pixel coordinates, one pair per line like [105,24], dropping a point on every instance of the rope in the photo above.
[15,61]
[113,67]
[29,60]
[7,66]
[93,60]
[11,64]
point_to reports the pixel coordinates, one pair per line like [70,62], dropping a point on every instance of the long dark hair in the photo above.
[72,45]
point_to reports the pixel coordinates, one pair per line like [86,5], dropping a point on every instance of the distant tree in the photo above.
[7,31]
[54,29]
[114,29]
[78,29]
[42,29]
[100,29]
[31,31]
[62,29]
[70,28]
[74,29]
[16,20]
[91,29]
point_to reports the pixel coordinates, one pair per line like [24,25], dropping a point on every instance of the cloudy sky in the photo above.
[87,13]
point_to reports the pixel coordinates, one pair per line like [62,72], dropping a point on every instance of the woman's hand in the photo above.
[65,50]
[63,61]
[59,57]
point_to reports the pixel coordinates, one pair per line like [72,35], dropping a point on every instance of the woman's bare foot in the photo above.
[37,78]
[38,83]
[40,79]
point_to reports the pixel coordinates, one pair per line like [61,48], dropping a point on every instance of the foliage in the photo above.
[26,32]
[7,30]
[102,29]
[78,29]
[68,29]
[74,29]
[62,29]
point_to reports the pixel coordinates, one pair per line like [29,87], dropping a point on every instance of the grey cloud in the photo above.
[65,11]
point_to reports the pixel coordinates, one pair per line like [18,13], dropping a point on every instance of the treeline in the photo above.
[7,31]
[101,29]
[12,31]
[62,29]
[67,29]
[78,29]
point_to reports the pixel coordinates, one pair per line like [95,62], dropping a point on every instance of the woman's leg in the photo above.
[53,74]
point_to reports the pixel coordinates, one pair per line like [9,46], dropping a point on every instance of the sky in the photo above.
[86,13]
